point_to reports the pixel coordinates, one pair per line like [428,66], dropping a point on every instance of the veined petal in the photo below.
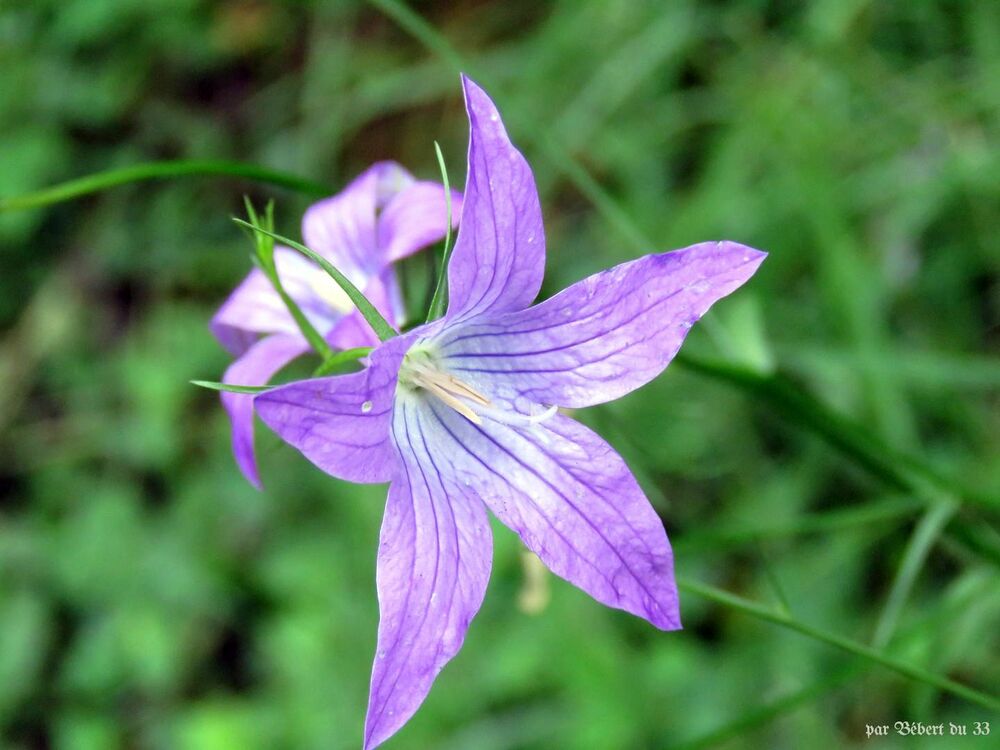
[255,367]
[341,423]
[342,228]
[604,336]
[415,218]
[499,256]
[571,499]
[255,308]
[434,563]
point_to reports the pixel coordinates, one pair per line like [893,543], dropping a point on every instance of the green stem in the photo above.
[158,170]
[844,644]
[382,329]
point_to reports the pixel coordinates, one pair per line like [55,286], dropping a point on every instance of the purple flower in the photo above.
[460,415]
[382,216]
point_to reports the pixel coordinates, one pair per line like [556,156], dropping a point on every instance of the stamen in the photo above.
[420,371]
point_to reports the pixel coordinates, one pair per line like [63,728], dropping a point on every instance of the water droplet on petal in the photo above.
[366,407]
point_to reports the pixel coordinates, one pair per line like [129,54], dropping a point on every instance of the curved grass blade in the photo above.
[158,170]
[854,648]
[924,536]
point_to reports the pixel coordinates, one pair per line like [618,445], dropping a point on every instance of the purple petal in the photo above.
[433,566]
[255,308]
[415,218]
[341,423]
[499,256]
[574,503]
[255,367]
[343,228]
[604,336]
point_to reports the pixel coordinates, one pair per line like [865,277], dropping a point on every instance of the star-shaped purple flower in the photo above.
[460,415]
[384,215]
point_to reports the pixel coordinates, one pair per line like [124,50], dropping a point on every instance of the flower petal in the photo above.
[342,228]
[415,218]
[434,563]
[604,336]
[572,500]
[499,256]
[341,423]
[255,367]
[254,307]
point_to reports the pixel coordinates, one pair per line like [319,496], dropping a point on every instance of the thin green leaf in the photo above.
[230,388]
[157,170]
[440,298]
[264,258]
[924,536]
[379,324]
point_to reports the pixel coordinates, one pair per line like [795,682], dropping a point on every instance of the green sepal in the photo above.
[264,259]
[440,299]
[380,325]
[230,388]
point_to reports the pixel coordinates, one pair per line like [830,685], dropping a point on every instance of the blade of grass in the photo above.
[924,536]
[157,170]
[854,648]
[758,717]
[382,329]
[773,581]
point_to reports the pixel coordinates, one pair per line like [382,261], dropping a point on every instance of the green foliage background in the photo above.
[150,598]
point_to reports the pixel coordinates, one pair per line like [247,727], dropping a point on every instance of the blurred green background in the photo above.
[149,598]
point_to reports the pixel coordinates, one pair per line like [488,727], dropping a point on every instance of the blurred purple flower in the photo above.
[382,216]
[461,413]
